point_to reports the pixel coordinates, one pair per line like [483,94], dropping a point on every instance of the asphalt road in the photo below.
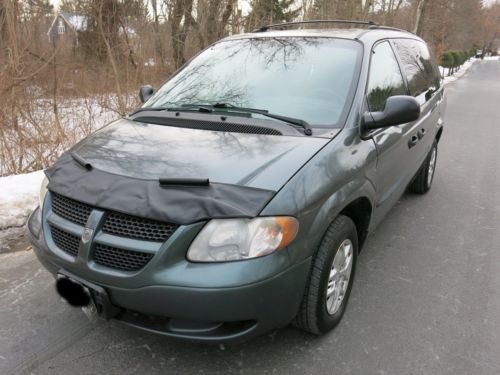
[426,299]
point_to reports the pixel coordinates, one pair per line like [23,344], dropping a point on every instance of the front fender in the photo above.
[336,176]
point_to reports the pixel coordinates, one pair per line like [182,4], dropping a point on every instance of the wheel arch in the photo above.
[438,134]
[360,212]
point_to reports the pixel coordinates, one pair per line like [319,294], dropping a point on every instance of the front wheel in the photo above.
[423,180]
[331,278]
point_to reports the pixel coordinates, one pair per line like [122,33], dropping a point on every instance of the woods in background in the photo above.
[63,73]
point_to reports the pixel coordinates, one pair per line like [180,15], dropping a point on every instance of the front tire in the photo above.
[331,278]
[423,180]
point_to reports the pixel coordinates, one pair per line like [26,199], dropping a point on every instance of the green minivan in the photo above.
[236,200]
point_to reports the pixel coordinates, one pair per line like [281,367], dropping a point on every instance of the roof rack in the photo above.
[285,24]
[388,28]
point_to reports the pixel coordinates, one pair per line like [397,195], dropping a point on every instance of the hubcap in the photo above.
[340,273]
[432,167]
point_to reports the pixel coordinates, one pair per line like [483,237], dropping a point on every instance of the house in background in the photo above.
[66,25]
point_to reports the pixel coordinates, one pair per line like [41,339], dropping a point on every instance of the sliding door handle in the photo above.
[421,133]
[413,141]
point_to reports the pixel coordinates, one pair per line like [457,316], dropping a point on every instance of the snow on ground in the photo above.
[456,75]
[18,197]
[78,118]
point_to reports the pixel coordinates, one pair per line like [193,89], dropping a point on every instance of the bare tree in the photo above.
[419,17]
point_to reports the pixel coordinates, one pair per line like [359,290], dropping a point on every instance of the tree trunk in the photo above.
[55,108]
[121,103]
[181,9]
[419,18]
[156,29]
[228,11]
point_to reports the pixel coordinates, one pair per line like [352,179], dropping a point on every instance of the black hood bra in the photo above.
[175,203]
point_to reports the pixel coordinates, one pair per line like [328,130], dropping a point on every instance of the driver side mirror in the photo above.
[145,92]
[399,109]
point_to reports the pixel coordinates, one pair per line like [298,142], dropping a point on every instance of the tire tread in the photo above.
[419,183]
[306,318]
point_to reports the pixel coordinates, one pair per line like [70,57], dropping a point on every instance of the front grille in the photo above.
[116,223]
[138,228]
[120,259]
[65,241]
[74,211]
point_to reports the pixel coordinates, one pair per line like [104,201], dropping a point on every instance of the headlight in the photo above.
[235,239]
[43,191]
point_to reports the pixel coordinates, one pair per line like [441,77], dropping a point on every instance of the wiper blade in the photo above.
[144,109]
[183,107]
[265,112]
[199,107]
[209,108]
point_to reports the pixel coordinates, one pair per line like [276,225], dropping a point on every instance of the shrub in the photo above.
[457,58]
[447,61]
[465,56]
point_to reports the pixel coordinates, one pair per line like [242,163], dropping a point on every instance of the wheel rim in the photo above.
[340,274]
[432,167]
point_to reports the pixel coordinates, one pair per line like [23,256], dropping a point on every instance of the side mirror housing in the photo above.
[399,109]
[145,92]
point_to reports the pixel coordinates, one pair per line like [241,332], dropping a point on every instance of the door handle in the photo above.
[413,141]
[421,133]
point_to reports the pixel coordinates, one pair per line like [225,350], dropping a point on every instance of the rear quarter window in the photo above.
[419,67]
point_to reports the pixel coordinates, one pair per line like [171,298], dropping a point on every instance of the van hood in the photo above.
[151,151]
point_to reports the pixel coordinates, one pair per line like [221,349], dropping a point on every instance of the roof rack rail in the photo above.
[284,24]
[387,28]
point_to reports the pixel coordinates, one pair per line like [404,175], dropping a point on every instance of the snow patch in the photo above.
[463,69]
[18,198]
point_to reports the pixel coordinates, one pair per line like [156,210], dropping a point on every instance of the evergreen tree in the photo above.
[271,11]
[457,58]
[447,61]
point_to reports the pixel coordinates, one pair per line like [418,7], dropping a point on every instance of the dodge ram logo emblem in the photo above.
[87,235]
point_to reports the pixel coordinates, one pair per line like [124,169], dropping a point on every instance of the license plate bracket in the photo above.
[100,303]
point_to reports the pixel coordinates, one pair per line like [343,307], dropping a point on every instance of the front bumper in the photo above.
[220,302]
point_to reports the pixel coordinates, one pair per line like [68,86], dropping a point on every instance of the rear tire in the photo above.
[422,182]
[331,278]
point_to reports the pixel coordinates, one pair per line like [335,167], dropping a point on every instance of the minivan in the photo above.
[236,200]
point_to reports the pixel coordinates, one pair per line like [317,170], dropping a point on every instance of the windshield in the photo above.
[309,78]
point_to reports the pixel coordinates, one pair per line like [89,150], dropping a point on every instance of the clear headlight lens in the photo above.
[43,191]
[236,239]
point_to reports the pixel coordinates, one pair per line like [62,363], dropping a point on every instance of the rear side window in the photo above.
[418,66]
[385,79]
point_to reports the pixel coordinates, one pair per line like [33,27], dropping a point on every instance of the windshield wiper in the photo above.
[183,107]
[209,108]
[264,112]
[144,109]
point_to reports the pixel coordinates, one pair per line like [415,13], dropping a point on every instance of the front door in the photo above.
[397,154]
